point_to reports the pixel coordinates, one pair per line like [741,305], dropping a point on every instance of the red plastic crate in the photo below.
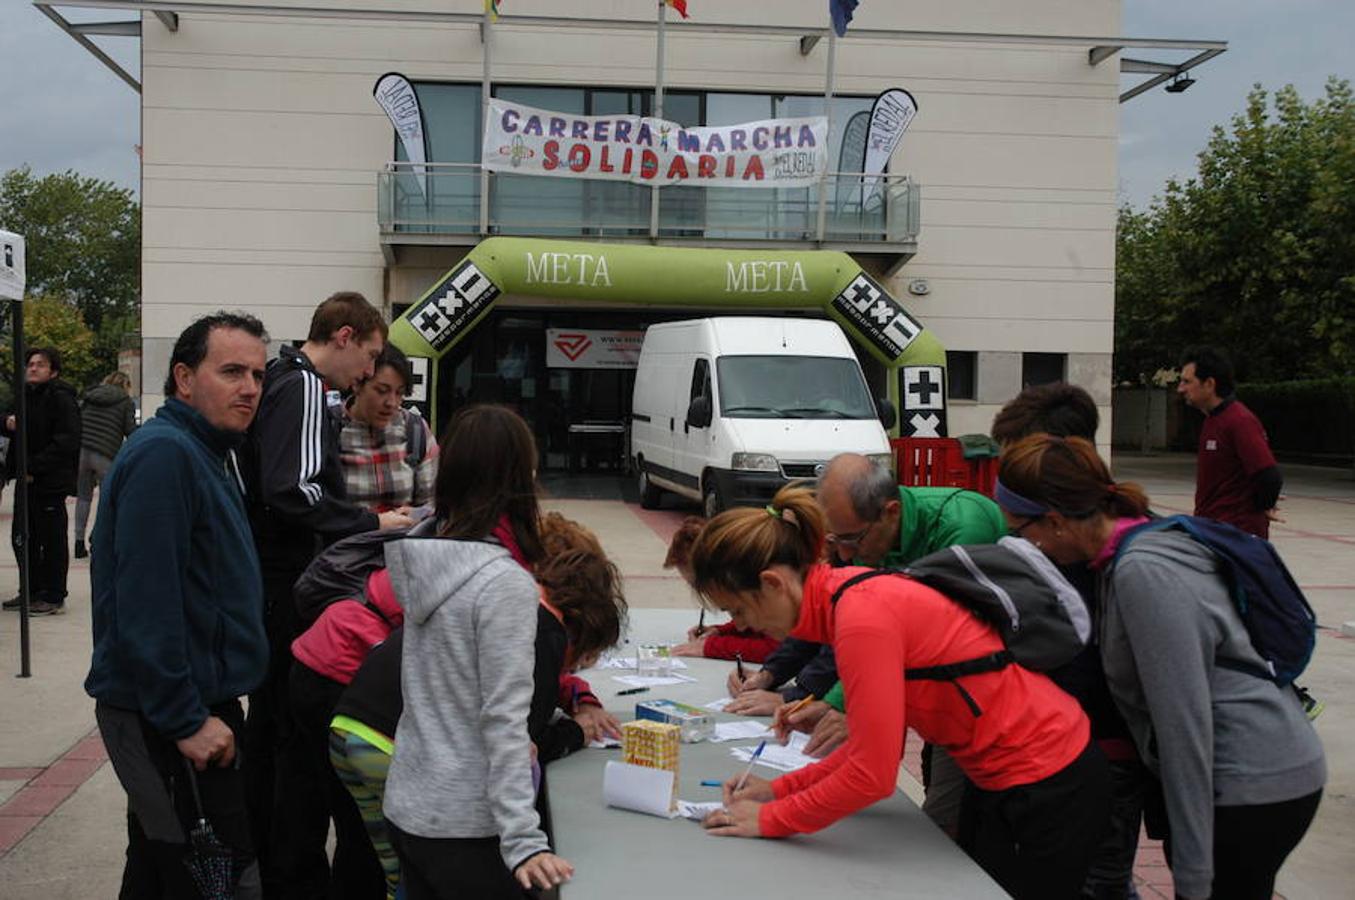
[940,462]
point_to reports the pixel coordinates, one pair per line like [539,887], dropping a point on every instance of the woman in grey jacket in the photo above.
[459,796]
[1241,768]
[107,417]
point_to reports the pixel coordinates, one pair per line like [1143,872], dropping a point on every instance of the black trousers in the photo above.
[161,811]
[453,868]
[1252,842]
[312,794]
[48,555]
[268,727]
[1037,840]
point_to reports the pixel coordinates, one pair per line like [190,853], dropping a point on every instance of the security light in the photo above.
[1180,83]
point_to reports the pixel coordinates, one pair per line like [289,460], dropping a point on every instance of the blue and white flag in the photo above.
[841,11]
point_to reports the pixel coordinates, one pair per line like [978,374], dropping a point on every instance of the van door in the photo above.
[692,443]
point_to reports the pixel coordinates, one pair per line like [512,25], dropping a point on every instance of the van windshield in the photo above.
[792,387]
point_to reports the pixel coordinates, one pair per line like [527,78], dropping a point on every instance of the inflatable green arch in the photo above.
[680,276]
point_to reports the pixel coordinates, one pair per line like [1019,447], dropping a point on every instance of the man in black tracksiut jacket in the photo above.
[298,505]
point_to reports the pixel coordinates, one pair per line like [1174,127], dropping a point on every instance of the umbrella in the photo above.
[210,863]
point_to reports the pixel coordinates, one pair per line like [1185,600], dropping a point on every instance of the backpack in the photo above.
[1012,586]
[1278,619]
[416,438]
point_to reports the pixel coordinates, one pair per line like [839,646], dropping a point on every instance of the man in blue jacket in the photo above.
[178,611]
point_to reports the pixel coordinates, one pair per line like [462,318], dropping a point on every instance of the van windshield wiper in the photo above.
[814,412]
[773,411]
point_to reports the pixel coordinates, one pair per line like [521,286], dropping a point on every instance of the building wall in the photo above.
[262,143]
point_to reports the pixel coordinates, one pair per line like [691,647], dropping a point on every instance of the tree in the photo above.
[1256,253]
[83,244]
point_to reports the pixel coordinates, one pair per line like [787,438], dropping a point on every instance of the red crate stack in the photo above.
[940,462]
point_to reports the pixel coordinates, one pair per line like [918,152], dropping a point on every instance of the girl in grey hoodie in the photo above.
[1241,768]
[459,797]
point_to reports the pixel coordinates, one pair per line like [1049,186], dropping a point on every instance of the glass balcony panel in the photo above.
[446,200]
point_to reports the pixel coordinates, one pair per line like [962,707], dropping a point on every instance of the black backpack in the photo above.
[1279,621]
[1010,585]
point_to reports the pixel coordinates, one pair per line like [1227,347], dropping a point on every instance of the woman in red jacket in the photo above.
[1042,789]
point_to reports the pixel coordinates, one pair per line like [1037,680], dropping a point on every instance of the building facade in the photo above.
[271,178]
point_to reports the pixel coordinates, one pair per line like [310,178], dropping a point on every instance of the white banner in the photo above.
[583,348]
[774,153]
[12,277]
[397,97]
[890,116]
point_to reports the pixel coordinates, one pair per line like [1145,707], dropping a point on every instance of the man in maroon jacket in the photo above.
[1237,480]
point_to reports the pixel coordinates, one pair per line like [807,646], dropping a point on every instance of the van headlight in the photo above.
[882,459]
[754,462]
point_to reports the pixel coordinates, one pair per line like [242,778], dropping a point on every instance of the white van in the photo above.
[727,410]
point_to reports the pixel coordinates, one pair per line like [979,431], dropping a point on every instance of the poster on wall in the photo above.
[890,116]
[397,97]
[584,348]
[772,153]
[12,278]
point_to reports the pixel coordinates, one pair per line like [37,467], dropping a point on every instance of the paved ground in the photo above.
[61,811]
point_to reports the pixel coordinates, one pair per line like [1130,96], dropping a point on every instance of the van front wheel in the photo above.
[649,493]
[711,504]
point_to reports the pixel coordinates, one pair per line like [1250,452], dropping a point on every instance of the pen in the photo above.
[797,707]
[748,771]
[639,690]
[701,622]
[712,784]
[738,661]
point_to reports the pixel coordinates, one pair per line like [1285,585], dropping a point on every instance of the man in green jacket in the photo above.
[873,521]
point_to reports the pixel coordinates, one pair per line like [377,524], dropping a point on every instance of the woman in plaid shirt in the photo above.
[389,456]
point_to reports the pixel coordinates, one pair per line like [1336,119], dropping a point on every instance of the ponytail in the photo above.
[1066,475]
[737,546]
[586,588]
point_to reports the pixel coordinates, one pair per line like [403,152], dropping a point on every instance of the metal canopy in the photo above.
[168,12]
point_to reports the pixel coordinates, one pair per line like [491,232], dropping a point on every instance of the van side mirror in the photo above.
[699,413]
[889,416]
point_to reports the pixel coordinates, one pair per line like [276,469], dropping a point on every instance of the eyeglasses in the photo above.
[850,540]
[1016,532]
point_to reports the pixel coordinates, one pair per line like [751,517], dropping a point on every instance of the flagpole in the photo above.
[658,114]
[828,114]
[485,40]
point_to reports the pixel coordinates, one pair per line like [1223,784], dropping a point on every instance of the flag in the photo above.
[841,13]
[679,5]
[492,7]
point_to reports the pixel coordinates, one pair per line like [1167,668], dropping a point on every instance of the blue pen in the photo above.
[712,784]
[748,771]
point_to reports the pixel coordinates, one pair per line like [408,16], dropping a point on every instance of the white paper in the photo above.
[774,756]
[720,704]
[741,731]
[638,788]
[628,663]
[697,811]
[653,680]
[604,743]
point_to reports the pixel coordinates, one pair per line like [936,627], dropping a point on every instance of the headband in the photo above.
[1015,503]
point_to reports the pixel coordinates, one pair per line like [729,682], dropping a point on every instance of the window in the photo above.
[700,380]
[1043,368]
[962,374]
[792,387]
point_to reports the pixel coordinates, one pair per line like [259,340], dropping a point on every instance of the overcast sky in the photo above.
[64,110]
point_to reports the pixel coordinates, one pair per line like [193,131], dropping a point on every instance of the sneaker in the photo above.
[80,551]
[43,608]
[12,604]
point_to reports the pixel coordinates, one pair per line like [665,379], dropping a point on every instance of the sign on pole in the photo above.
[11,266]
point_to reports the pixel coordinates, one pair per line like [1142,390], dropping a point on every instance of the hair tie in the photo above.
[1112,488]
[773,511]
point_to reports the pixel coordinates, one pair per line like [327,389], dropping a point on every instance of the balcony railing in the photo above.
[445,200]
